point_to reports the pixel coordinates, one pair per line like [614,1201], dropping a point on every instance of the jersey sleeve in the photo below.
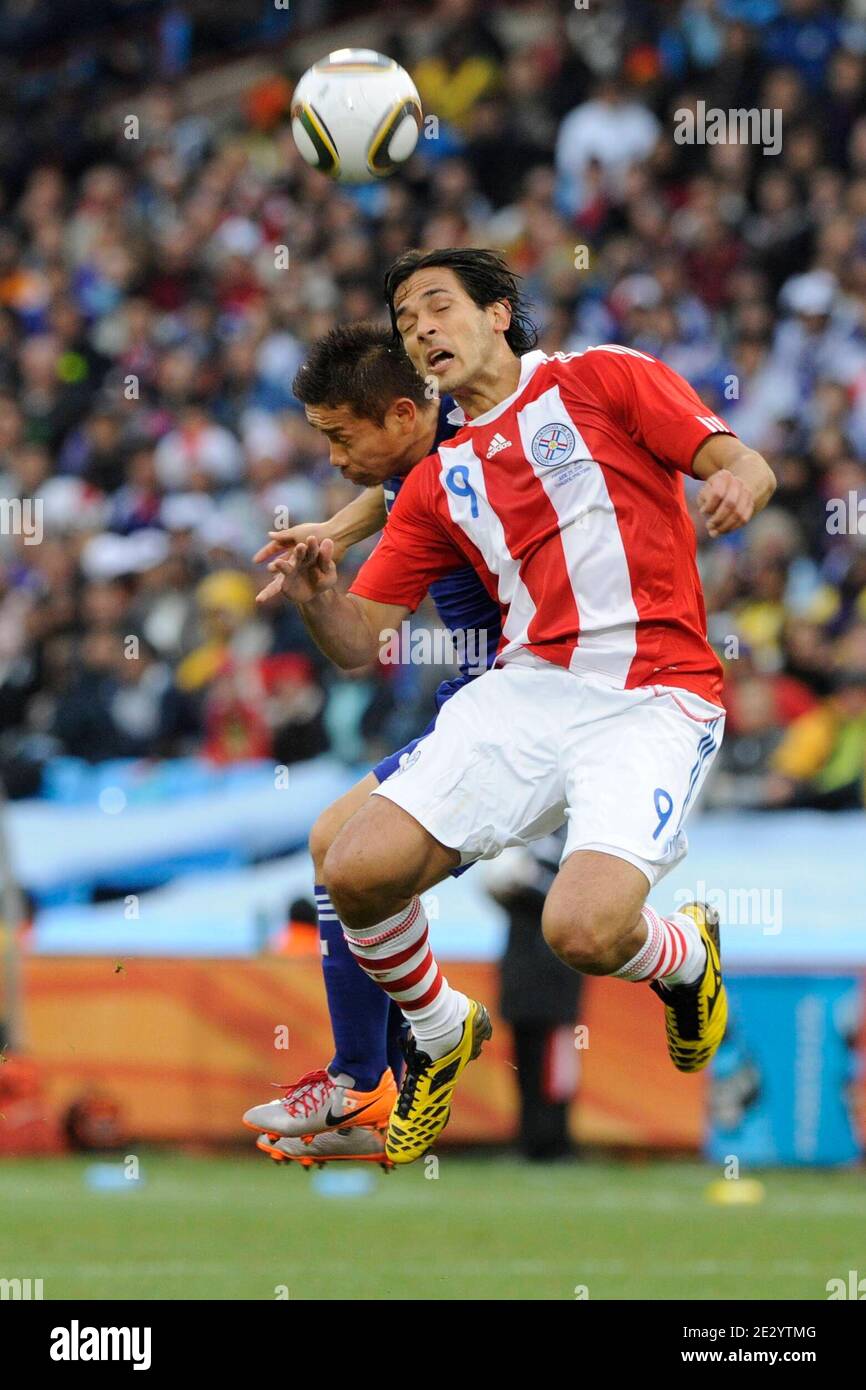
[413,550]
[655,406]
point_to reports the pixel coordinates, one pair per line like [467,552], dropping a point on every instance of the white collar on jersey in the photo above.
[528,364]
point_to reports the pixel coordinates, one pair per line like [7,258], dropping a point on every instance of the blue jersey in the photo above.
[460,598]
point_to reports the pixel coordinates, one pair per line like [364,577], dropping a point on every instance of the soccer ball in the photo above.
[356,115]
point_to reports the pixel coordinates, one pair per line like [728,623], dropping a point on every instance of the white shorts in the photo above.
[524,748]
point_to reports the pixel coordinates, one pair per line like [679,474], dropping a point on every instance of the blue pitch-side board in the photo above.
[783,1084]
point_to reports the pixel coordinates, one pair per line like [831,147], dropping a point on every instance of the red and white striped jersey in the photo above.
[568,500]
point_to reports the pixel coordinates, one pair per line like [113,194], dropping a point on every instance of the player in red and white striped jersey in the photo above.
[585,540]
[565,490]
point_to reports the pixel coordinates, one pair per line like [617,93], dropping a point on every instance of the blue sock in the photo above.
[359,1008]
[397,1027]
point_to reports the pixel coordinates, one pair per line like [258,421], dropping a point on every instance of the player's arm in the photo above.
[738,482]
[413,551]
[663,413]
[348,628]
[360,518]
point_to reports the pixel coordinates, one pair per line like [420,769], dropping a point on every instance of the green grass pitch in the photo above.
[242,1227]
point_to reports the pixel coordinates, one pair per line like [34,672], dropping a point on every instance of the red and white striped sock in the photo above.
[674,951]
[396,954]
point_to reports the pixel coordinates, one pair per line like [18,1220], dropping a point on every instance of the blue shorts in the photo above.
[384,769]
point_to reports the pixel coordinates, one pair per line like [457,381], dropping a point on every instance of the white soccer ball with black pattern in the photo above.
[356,115]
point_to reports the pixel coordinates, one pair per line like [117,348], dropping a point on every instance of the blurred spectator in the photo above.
[300,934]
[465,64]
[148,341]
[821,761]
[111,706]
[232,631]
[610,132]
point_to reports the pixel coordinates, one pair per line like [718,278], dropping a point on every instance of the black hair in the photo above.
[302,910]
[358,365]
[486,278]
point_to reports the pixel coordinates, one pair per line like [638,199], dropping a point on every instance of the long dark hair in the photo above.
[486,278]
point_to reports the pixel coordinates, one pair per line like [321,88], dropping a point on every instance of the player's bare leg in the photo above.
[377,867]
[592,917]
[596,920]
[328,825]
[381,859]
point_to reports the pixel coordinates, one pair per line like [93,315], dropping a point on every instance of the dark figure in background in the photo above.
[539,999]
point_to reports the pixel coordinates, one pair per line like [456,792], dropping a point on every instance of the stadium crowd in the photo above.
[150,330]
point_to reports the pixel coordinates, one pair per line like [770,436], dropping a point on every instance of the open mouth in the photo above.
[439,359]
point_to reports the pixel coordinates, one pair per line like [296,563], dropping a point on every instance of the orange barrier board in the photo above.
[185,1046]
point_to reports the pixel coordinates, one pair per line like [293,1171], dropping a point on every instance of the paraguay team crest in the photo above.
[553,444]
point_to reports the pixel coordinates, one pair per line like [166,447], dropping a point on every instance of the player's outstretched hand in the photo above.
[287,539]
[308,571]
[726,502]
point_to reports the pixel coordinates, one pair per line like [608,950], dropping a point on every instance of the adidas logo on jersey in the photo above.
[497,443]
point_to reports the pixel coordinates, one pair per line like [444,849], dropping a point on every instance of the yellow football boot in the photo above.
[696,1015]
[423,1105]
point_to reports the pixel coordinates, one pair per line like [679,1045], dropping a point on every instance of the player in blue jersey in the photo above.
[364,395]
